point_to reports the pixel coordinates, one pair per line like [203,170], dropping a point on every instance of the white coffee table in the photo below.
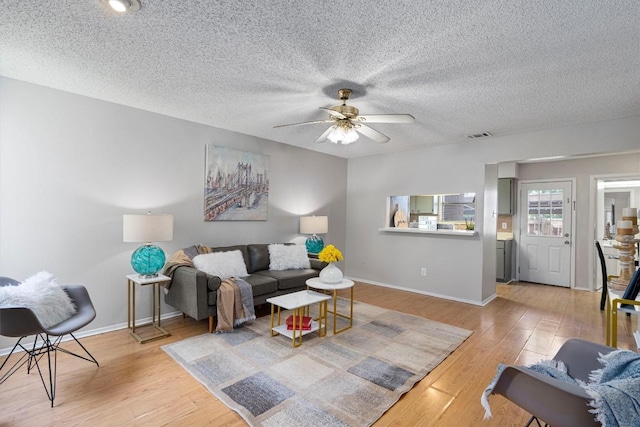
[332,289]
[299,303]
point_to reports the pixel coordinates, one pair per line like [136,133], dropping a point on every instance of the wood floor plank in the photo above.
[139,384]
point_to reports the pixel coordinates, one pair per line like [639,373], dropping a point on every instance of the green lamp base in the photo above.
[147,260]
[314,244]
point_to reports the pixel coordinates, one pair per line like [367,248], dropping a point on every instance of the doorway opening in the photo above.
[610,194]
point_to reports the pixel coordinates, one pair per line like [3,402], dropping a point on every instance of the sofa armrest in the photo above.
[189,292]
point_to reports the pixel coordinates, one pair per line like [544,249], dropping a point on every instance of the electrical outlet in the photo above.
[423,271]
[504,225]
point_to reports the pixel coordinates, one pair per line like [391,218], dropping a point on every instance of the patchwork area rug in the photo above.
[349,379]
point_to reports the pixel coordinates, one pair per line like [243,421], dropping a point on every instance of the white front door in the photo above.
[545,232]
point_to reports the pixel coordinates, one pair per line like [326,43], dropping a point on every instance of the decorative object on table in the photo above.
[331,273]
[303,323]
[314,225]
[347,379]
[236,186]
[148,259]
[395,205]
[400,219]
[607,231]
[625,232]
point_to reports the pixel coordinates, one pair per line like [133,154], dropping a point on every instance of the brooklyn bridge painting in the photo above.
[236,186]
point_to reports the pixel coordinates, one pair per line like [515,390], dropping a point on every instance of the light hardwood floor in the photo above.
[141,385]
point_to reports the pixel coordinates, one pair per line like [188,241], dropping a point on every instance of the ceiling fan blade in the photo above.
[305,123]
[334,113]
[325,134]
[372,134]
[386,118]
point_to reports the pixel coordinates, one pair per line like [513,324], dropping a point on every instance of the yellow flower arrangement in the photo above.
[330,254]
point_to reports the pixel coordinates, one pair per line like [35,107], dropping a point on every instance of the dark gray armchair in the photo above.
[558,403]
[21,322]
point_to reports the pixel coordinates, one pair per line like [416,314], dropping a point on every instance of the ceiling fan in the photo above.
[347,122]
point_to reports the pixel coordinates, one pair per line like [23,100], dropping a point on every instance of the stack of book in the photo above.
[303,323]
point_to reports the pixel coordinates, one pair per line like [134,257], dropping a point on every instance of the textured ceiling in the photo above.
[460,67]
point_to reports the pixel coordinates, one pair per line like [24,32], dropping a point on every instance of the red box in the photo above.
[302,323]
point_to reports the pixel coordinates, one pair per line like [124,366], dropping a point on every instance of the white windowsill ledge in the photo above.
[464,233]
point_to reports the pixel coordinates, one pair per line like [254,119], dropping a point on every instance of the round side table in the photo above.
[332,289]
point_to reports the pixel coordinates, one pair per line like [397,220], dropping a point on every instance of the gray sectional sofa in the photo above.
[194,292]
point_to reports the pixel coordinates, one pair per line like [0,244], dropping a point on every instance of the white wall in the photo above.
[457,268]
[71,166]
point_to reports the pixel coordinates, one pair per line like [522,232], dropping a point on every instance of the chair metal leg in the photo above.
[52,370]
[92,360]
[32,358]
[21,361]
[534,418]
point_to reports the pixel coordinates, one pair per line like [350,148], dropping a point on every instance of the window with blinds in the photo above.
[458,207]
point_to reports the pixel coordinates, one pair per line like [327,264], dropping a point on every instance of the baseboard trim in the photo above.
[97,331]
[421,292]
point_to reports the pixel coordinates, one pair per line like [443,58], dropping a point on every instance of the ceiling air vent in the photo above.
[479,135]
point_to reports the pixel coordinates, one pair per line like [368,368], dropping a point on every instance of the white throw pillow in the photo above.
[222,264]
[43,295]
[288,257]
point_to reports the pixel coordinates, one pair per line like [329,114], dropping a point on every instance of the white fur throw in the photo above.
[222,264]
[288,257]
[43,295]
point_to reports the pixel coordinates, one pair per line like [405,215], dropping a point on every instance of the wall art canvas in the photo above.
[236,186]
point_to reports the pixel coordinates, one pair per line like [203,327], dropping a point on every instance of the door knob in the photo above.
[566,234]
[566,242]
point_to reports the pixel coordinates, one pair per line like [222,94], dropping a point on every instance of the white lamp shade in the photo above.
[147,228]
[314,224]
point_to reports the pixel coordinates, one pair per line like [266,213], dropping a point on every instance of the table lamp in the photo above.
[148,259]
[314,225]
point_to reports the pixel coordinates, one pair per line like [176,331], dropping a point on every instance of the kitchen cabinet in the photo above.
[424,204]
[506,196]
[503,260]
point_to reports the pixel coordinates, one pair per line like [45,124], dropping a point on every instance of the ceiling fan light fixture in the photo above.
[123,6]
[342,134]
[347,122]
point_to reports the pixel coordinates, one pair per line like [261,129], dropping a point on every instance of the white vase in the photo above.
[331,274]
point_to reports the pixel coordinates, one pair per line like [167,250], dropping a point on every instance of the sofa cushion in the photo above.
[258,257]
[288,257]
[261,285]
[288,279]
